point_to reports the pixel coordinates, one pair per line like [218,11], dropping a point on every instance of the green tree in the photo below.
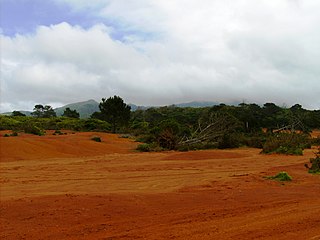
[115,111]
[270,112]
[49,112]
[70,113]
[97,115]
[38,111]
[17,114]
[41,111]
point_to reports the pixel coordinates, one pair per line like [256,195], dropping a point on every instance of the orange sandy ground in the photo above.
[70,187]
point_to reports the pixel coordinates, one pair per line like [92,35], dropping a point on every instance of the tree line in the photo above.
[248,117]
[172,127]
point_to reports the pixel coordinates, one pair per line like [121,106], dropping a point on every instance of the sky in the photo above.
[152,52]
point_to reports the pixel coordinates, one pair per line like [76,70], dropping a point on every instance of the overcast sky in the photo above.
[158,52]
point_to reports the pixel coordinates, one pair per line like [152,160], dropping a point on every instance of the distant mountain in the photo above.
[85,109]
[27,113]
[196,104]
[135,107]
[200,104]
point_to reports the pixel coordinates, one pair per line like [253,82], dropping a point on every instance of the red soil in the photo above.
[70,187]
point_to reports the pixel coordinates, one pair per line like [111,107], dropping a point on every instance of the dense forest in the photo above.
[270,127]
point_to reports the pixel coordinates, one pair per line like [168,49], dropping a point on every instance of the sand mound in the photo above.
[31,147]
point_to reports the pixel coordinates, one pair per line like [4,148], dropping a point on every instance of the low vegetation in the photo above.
[96,139]
[37,126]
[281,176]
[287,143]
[270,127]
[13,134]
[315,164]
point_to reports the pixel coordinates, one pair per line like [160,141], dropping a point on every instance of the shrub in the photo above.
[289,151]
[147,138]
[152,147]
[144,147]
[229,141]
[281,176]
[183,148]
[8,123]
[96,125]
[32,129]
[255,140]
[315,164]
[287,143]
[316,141]
[96,139]
[125,136]
[58,132]
[167,139]
[14,134]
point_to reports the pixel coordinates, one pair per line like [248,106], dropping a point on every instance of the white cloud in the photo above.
[169,52]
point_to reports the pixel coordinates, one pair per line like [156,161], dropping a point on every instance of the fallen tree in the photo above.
[211,130]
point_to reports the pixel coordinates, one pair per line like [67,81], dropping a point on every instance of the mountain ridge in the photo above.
[86,108]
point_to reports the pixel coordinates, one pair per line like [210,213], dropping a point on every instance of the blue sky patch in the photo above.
[23,17]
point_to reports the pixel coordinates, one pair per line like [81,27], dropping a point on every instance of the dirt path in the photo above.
[69,187]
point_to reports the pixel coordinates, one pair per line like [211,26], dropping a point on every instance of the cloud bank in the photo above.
[164,52]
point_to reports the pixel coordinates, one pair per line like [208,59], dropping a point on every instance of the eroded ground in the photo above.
[70,187]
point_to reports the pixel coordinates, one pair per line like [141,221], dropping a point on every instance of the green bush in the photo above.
[14,134]
[96,139]
[144,147]
[229,141]
[315,164]
[32,129]
[281,176]
[287,143]
[255,140]
[96,125]
[146,138]
[152,147]
[58,132]
[8,123]
[56,123]
[316,141]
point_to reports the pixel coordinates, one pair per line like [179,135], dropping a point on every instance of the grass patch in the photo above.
[281,176]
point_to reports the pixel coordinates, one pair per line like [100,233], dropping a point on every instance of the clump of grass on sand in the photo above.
[281,176]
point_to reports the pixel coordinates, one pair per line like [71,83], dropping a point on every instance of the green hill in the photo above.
[85,109]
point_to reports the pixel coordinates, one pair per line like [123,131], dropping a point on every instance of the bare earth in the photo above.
[70,187]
